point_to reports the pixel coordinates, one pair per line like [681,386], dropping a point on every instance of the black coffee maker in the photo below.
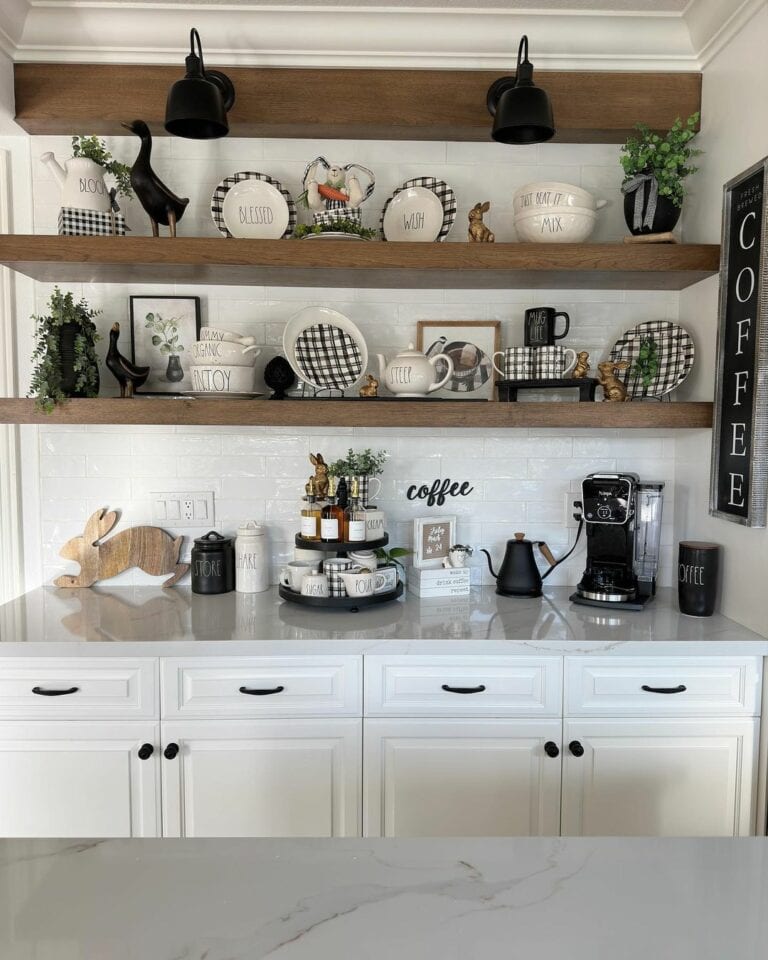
[623,524]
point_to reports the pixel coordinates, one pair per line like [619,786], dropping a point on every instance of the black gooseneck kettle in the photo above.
[519,575]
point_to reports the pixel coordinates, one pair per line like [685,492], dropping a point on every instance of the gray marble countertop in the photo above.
[543,899]
[149,621]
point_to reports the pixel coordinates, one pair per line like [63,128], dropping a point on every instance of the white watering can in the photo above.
[81,181]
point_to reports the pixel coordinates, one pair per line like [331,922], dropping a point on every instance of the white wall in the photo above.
[734,135]
[520,477]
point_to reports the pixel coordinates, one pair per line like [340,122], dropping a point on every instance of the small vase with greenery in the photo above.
[394,557]
[166,337]
[646,367]
[65,352]
[655,169]
[364,465]
[92,148]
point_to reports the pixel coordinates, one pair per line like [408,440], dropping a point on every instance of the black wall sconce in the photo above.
[521,111]
[197,105]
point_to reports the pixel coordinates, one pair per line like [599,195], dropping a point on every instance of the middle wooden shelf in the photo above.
[334,263]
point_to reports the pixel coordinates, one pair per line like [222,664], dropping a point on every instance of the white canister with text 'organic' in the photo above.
[251,559]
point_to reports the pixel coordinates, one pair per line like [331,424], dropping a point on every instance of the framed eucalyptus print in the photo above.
[739,471]
[163,330]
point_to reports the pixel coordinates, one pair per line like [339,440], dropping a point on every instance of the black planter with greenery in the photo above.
[655,168]
[65,352]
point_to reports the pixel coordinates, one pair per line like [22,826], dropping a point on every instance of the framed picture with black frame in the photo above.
[163,330]
[739,471]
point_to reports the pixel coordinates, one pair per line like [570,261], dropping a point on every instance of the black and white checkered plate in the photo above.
[217,200]
[444,194]
[676,354]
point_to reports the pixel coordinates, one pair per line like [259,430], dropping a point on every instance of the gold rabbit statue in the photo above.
[478,232]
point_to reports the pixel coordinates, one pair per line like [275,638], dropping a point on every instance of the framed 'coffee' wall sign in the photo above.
[739,479]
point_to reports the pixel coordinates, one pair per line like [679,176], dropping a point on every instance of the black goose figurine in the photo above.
[161,205]
[127,374]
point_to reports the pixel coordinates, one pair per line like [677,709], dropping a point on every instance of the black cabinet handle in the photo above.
[54,693]
[171,751]
[477,689]
[145,751]
[679,689]
[261,693]
[576,748]
[551,749]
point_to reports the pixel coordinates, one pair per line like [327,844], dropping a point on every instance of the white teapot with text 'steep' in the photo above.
[81,181]
[412,374]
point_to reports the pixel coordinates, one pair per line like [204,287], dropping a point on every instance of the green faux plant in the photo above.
[393,555]
[366,463]
[646,367]
[338,226]
[667,158]
[47,380]
[92,148]
[165,333]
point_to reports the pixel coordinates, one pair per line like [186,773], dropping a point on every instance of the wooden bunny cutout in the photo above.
[151,549]
[478,232]
[613,388]
[321,475]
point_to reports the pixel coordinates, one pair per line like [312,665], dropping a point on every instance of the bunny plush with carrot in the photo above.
[149,548]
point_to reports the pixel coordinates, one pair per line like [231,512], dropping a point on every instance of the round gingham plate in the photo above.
[444,194]
[217,200]
[676,354]
[342,369]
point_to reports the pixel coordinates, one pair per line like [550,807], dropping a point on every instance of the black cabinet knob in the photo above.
[42,692]
[171,751]
[478,689]
[261,691]
[551,749]
[145,751]
[576,748]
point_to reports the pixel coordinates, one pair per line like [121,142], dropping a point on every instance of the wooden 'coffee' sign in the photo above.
[739,479]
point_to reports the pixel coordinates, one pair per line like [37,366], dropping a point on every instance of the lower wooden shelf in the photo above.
[219,411]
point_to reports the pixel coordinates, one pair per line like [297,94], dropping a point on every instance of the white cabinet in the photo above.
[659,777]
[467,777]
[262,778]
[79,779]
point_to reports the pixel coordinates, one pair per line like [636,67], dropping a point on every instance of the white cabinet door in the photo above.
[262,778]
[659,778]
[79,779]
[461,778]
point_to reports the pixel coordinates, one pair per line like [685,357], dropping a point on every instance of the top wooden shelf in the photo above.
[333,263]
[589,106]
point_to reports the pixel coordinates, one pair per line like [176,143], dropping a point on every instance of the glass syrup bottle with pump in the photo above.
[354,516]
[332,514]
[310,514]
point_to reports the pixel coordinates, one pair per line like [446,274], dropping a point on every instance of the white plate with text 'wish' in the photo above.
[415,214]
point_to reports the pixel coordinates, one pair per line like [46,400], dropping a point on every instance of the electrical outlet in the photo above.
[572,506]
[184,509]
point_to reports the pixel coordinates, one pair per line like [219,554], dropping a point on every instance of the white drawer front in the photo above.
[635,686]
[77,688]
[503,686]
[281,686]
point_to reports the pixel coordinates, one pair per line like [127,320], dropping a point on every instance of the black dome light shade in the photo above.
[521,111]
[197,105]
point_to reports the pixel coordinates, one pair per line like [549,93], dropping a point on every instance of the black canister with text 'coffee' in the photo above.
[213,564]
[698,576]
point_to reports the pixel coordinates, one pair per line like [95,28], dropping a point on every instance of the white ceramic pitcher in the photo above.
[81,181]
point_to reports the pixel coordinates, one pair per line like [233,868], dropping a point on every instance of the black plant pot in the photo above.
[664,220]
[67,334]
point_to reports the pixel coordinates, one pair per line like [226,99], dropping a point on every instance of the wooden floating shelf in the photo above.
[333,263]
[220,411]
[589,106]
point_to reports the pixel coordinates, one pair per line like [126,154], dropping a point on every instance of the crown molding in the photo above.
[108,32]
[713,24]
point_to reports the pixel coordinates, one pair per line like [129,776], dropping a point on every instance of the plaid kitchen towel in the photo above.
[328,357]
[77,222]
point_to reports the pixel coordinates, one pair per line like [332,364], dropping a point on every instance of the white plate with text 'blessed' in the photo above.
[253,206]
[414,214]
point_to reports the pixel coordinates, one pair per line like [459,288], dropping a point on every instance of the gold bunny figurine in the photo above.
[478,232]
[582,365]
[613,389]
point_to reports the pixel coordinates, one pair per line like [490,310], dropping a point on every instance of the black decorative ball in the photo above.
[279,377]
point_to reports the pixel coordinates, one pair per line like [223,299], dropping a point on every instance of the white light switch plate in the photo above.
[184,509]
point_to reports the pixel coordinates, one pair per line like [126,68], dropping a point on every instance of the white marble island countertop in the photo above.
[454,899]
[149,621]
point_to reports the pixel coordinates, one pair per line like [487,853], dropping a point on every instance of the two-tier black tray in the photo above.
[352,604]
[340,546]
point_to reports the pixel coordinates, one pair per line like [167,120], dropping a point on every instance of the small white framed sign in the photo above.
[432,539]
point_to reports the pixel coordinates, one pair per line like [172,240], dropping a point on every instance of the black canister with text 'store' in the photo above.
[698,577]
[213,564]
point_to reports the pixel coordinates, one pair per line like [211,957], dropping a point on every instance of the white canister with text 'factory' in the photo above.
[251,559]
